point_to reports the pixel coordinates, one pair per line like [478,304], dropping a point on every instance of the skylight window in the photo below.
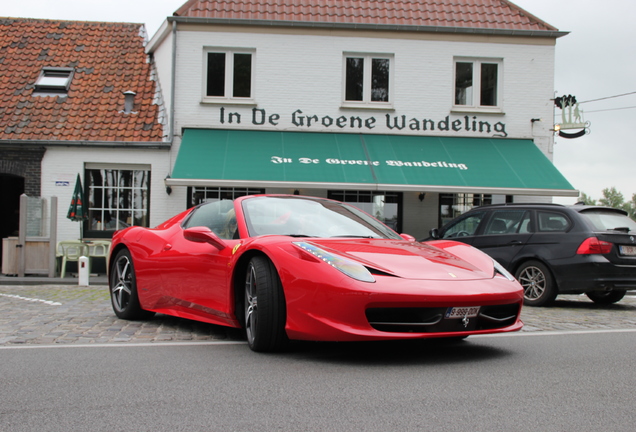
[54,80]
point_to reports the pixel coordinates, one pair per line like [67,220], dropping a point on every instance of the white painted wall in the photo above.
[306,72]
[64,163]
[162,58]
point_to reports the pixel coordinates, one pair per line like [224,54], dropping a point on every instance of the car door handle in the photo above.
[515,242]
[167,247]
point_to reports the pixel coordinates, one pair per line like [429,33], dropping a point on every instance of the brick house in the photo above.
[78,98]
[413,110]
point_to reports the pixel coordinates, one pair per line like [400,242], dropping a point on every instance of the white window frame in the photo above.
[54,80]
[366,101]
[115,190]
[475,105]
[229,76]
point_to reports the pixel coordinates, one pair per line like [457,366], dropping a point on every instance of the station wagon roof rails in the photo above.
[519,205]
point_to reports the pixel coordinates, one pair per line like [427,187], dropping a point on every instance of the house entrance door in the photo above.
[11,187]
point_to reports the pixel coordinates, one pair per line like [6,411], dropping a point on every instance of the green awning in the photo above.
[243,158]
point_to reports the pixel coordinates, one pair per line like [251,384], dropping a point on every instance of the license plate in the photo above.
[627,250]
[461,312]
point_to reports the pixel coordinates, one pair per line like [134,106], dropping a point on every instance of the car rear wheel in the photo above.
[123,289]
[265,311]
[606,297]
[538,285]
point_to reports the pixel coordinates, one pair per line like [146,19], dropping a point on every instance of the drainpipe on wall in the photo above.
[174,80]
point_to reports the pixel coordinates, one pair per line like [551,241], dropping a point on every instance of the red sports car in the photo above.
[303,268]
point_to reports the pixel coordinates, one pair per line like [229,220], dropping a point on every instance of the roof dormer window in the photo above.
[54,80]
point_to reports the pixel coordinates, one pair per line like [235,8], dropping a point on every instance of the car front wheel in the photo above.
[265,312]
[606,297]
[123,289]
[538,285]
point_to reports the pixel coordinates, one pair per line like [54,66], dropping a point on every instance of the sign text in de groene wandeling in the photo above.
[302,120]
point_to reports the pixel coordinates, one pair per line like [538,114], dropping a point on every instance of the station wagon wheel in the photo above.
[265,312]
[123,289]
[538,284]
[606,297]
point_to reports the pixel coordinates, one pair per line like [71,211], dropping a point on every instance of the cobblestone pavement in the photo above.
[63,314]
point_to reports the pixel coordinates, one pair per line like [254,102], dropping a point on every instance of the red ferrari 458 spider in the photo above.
[286,267]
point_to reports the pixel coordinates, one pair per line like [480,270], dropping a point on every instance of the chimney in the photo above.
[129,101]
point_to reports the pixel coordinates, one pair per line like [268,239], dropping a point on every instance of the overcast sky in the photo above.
[596,60]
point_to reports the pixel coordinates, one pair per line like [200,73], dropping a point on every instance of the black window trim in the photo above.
[228,98]
[87,232]
[366,102]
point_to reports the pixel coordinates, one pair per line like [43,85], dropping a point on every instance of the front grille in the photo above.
[431,320]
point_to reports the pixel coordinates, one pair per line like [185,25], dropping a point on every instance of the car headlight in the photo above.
[350,268]
[502,271]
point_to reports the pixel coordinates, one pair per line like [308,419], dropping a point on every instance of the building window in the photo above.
[384,206]
[117,198]
[367,80]
[453,205]
[53,81]
[199,195]
[477,83]
[229,75]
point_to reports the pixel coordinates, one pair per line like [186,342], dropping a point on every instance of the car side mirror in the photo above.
[434,233]
[408,237]
[201,234]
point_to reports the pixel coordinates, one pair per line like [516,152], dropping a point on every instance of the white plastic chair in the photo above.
[70,250]
[99,249]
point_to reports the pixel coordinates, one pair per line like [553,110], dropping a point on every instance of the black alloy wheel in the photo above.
[538,284]
[606,297]
[123,289]
[264,307]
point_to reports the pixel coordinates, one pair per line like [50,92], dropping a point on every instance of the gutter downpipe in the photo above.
[173,84]
[173,81]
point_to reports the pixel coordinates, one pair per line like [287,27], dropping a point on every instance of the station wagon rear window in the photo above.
[604,220]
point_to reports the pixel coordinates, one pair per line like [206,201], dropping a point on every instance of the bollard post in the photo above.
[83,271]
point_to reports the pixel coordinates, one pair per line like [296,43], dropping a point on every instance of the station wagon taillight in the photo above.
[592,245]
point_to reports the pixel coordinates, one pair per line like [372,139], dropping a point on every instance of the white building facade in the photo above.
[413,125]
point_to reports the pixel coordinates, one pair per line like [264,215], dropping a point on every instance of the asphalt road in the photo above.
[526,382]
[67,363]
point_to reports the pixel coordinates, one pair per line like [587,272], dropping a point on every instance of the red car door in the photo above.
[197,277]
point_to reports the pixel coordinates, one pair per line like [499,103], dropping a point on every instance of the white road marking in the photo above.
[554,333]
[48,302]
[123,345]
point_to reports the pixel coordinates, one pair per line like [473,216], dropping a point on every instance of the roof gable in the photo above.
[106,59]
[475,14]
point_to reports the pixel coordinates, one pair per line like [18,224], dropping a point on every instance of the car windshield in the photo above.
[308,217]
[604,220]
[219,216]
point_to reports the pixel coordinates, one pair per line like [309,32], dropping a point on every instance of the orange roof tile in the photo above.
[107,58]
[475,14]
